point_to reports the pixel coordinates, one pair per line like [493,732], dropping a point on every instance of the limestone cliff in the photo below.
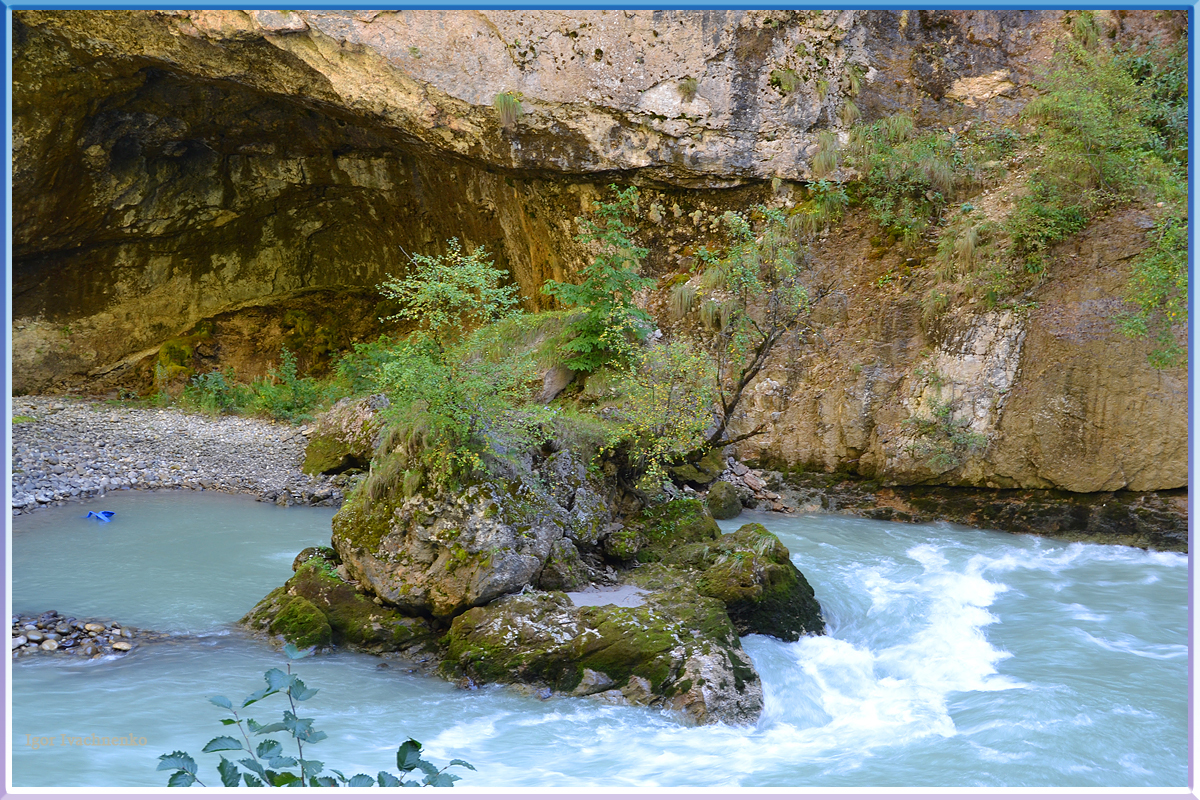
[237,180]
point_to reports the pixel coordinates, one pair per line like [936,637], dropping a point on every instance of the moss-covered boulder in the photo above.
[677,651]
[441,553]
[661,529]
[751,571]
[344,437]
[317,607]
[701,473]
[723,501]
[301,623]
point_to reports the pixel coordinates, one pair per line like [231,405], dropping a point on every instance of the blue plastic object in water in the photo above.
[103,516]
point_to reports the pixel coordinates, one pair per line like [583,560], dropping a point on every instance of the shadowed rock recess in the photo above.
[197,189]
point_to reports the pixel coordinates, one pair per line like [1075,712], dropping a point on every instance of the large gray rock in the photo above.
[441,555]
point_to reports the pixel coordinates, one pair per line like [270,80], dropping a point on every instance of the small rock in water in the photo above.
[17,642]
[90,650]
[93,627]
[35,636]
[50,644]
[122,646]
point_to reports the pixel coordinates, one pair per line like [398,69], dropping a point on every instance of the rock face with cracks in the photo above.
[440,555]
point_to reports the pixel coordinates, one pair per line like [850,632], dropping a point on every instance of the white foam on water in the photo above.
[874,691]
[1126,644]
[1083,614]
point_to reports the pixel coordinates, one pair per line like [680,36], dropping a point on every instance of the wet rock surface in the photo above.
[66,636]
[76,449]
[1152,520]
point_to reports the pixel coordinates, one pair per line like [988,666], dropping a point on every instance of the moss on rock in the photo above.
[653,653]
[751,572]
[302,623]
[670,525]
[723,501]
[350,617]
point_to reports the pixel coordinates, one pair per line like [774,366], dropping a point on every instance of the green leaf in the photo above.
[408,755]
[269,748]
[250,780]
[361,780]
[323,780]
[387,779]
[300,692]
[177,760]
[315,736]
[282,778]
[277,679]
[229,722]
[341,777]
[256,696]
[442,779]
[181,779]
[294,653]
[426,767]
[458,762]
[251,764]
[223,702]
[222,743]
[312,767]
[279,762]
[274,727]
[229,772]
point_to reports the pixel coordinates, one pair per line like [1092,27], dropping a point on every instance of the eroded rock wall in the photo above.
[218,175]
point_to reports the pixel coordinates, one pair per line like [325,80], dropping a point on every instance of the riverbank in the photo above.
[65,449]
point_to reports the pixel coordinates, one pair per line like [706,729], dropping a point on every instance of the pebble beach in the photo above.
[74,449]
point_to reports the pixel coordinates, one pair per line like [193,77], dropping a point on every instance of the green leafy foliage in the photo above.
[1159,291]
[611,324]
[942,441]
[663,406]
[753,296]
[265,763]
[283,394]
[449,294]
[906,177]
[450,409]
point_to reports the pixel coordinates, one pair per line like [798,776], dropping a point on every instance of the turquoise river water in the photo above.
[955,658]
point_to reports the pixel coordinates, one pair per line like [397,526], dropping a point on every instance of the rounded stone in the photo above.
[122,646]
[35,636]
[50,644]
[94,627]
[17,642]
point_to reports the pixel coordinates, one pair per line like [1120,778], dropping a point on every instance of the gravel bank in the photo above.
[76,449]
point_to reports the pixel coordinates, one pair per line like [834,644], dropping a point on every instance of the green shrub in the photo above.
[1158,289]
[449,294]
[906,179]
[611,324]
[217,392]
[942,441]
[265,763]
[283,394]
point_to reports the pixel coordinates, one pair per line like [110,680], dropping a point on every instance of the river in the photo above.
[955,657]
